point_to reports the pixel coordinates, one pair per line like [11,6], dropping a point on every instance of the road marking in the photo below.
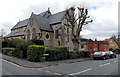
[81,72]
[57,73]
[15,64]
[104,64]
[115,61]
[38,69]
[47,71]
[11,63]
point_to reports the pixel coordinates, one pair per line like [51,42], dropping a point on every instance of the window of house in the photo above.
[40,35]
[67,32]
[82,46]
[47,36]
[111,41]
[31,22]
[58,43]
[56,34]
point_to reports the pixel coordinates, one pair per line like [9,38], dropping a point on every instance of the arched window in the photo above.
[33,33]
[28,34]
[47,36]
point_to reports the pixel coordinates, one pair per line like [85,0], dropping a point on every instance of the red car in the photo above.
[111,54]
[100,55]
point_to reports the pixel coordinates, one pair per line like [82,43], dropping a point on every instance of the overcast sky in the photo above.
[103,12]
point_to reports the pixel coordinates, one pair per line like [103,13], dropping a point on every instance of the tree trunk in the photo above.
[75,45]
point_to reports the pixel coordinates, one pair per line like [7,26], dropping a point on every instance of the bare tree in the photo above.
[76,21]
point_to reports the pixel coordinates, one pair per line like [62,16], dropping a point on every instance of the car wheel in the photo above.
[104,58]
[94,59]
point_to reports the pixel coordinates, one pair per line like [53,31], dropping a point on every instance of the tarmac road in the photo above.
[91,67]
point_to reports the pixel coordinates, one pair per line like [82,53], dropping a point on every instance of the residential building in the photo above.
[113,43]
[83,44]
[95,46]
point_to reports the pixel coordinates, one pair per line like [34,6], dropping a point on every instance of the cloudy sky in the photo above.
[103,12]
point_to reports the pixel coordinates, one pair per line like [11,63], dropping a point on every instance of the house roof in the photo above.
[43,13]
[12,34]
[56,18]
[116,41]
[43,23]
[21,24]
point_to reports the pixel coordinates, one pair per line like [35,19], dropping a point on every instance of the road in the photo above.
[91,67]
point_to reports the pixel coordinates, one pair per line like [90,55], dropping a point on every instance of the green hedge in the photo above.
[73,55]
[37,42]
[81,54]
[8,51]
[85,53]
[56,53]
[35,53]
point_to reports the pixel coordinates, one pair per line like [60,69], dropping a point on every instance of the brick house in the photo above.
[113,43]
[83,44]
[95,46]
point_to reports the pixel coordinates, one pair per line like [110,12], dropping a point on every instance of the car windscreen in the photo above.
[107,52]
[98,53]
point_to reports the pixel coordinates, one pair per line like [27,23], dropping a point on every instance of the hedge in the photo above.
[73,55]
[37,42]
[81,54]
[35,53]
[56,53]
[8,51]
[85,53]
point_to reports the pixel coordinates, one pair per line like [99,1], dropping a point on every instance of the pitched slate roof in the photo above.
[43,23]
[12,34]
[21,24]
[43,13]
[56,18]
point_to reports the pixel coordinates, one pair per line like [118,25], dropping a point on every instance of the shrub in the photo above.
[20,45]
[8,51]
[7,43]
[81,54]
[85,53]
[22,49]
[56,53]
[35,53]
[4,43]
[37,42]
[73,55]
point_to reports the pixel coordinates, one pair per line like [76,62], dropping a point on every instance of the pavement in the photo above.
[28,64]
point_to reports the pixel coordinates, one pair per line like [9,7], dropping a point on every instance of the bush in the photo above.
[73,55]
[37,42]
[7,43]
[8,51]
[4,43]
[20,45]
[85,53]
[81,54]
[35,53]
[56,53]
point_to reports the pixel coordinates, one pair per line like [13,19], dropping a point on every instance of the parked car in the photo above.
[100,55]
[111,54]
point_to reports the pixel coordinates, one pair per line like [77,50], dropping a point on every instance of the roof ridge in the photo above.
[116,42]
[41,16]
[58,12]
